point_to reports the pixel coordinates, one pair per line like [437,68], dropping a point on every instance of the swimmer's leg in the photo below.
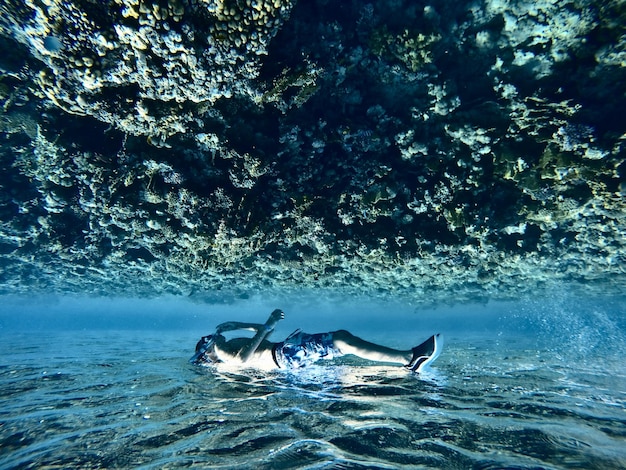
[347,343]
[414,359]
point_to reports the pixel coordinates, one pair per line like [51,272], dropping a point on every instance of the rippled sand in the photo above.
[130,399]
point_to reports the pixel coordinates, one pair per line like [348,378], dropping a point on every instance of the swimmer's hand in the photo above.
[274,318]
[262,333]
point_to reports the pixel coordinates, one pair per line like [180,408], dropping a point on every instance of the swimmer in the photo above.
[301,349]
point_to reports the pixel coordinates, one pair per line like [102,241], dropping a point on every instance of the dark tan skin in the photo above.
[258,348]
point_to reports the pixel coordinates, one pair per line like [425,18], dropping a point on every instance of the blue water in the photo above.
[105,383]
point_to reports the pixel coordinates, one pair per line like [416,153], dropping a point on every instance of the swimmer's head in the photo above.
[203,342]
[205,353]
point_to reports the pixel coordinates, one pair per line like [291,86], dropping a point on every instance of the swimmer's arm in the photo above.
[262,333]
[236,325]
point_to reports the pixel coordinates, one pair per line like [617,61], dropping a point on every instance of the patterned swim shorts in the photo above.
[301,349]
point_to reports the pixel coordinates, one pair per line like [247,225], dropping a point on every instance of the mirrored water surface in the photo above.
[127,398]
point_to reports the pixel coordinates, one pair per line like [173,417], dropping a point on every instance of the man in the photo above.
[301,349]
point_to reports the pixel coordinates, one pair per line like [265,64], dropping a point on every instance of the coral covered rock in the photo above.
[147,67]
[446,152]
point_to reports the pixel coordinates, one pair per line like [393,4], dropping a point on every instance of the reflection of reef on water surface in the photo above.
[222,148]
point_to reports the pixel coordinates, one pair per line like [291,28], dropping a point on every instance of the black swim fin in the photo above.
[425,353]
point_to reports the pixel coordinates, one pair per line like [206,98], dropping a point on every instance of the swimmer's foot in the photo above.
[425,353]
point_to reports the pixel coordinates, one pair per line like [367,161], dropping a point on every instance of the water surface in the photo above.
[112,398]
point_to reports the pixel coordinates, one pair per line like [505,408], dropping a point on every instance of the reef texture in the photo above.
[438,151]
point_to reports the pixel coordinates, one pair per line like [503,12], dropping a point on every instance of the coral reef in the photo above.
[222,148]
[147,67]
